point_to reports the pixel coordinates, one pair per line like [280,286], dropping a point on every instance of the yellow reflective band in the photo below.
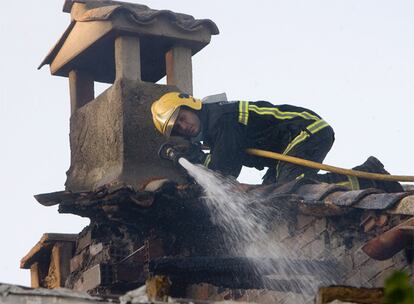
[298,139]
[245,108]
[282,115]
[243,112]
[354,182]
[312,128]
[345,184]
[317,126]
[207,160]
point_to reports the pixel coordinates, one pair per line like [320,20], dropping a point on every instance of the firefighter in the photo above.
[229,128]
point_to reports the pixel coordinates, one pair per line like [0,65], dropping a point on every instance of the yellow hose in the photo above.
[315,165]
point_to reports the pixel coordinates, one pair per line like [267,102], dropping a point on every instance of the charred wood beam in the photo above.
[243,282]
[239,265]
[243,272]
[169,210]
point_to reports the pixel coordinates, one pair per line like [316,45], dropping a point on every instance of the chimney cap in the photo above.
[87,44]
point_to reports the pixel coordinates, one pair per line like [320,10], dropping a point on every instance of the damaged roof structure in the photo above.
[149,224]
[367,231]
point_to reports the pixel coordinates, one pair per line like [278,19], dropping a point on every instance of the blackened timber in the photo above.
[310,198]
[238,265]
[243,272]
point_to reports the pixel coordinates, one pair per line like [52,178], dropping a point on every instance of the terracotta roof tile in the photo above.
[142,14]
[390,242]
[381,201]
[349,198]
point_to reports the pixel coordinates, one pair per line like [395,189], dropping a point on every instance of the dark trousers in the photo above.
[314,148]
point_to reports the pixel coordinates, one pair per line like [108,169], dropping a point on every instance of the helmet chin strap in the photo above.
[199,137]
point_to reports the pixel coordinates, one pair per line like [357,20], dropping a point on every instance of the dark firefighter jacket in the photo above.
[231,127]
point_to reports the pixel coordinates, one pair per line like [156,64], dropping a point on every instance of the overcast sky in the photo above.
[351,61]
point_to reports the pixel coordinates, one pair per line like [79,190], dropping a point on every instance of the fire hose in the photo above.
[193,153]
[315,165]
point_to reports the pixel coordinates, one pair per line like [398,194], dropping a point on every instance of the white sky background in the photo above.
[351,61]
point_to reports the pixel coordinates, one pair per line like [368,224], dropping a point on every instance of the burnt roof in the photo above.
[302,196]
[313,198]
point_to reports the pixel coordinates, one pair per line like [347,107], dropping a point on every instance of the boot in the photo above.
[373,165]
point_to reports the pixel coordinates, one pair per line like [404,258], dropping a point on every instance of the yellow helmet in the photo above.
[165,110]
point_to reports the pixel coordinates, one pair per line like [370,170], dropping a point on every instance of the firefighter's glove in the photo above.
[174,151]
[171,152]
[195,154]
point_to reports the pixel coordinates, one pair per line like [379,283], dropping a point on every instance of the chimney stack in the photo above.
[130,46]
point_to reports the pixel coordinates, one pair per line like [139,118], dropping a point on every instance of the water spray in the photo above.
[246,234]
[245,227]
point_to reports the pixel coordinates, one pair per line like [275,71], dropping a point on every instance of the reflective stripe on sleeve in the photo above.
[243,112]
[207,160]
[275,112]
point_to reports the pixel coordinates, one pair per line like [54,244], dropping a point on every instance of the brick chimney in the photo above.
[131,46]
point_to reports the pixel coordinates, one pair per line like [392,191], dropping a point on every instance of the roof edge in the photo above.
[67,6]
[52,53]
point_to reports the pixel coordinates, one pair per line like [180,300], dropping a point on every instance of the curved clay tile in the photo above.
[390,242]
[405,206]
[142,14]
[349,198]
[381,201]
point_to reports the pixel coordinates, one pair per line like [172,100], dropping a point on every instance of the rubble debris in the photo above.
[12,294]
[138,295]
[158,288]
[345,294]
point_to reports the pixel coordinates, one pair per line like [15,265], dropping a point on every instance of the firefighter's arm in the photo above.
[227,154]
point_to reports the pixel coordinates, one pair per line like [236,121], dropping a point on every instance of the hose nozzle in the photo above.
[169,152]
[174,151]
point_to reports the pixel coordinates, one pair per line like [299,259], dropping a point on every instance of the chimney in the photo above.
[130,46]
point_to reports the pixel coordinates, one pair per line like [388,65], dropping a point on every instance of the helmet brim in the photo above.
[171,122]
